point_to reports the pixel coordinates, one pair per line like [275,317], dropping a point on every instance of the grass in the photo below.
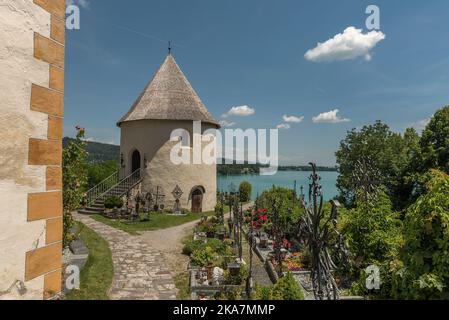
[182,284]
[96,277]
[157,221]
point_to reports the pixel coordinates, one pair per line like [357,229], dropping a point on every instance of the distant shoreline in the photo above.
[236,170]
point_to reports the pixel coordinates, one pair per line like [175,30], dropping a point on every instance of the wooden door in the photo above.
[197,203]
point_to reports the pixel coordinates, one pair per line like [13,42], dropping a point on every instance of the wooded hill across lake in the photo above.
[101,152]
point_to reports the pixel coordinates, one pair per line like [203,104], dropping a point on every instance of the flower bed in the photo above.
[215,272]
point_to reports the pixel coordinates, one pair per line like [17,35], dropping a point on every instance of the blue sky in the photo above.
[252,53]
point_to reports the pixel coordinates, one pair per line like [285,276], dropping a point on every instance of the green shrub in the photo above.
[216,245]
[113,202]
[74,180]
[245,190]
[202,257]
[287,288]
[374,232]
[231,294]
[263,293]
[191,246]
[425,273]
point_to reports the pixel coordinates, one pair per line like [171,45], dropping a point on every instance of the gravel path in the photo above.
[144,265]
[169,241]
[140,272]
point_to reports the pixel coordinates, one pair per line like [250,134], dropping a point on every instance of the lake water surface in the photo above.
[281,179]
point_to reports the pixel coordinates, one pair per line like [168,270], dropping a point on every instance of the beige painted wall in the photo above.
[152,139]
[19,19]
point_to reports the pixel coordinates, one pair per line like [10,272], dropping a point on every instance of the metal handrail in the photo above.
[117,189]
[93,193]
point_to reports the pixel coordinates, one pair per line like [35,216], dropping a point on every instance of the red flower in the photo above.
[286,244]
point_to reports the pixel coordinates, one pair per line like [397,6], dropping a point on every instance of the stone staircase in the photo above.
[94,208]
[109,187]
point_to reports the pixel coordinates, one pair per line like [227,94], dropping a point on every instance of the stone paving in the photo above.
[140,272]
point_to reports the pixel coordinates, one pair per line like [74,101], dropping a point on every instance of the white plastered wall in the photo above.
[19,19]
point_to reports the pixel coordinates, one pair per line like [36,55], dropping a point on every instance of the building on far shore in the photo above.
[167,103]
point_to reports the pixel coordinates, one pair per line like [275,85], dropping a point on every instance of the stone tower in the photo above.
[166,104]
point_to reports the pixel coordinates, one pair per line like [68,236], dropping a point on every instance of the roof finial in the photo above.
[169,47]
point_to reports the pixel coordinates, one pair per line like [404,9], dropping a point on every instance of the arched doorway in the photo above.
[197,199]
[135,161]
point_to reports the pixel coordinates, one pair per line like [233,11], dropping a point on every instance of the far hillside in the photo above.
[102,152]
[99,152]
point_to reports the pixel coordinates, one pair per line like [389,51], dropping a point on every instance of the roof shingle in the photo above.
[168,96]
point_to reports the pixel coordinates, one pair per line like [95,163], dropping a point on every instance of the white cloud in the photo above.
[226,124]
[350,44]
[241,111]
[292,119]
[421,125]
[285,126]
[329,117]
[81,3]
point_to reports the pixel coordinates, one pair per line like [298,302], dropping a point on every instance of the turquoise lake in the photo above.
[281,179]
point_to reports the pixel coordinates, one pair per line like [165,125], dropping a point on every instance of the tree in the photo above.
[425,273]
[245,190]
[290,210]
[97,172]
[373,231]
[389,153]
[374,234]
[435,142]
[431,151]
[74,179]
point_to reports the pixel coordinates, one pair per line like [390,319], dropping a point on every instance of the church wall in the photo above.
[151,138]
[31,87]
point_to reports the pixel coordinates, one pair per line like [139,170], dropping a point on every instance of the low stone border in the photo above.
[271,271]
[211,290]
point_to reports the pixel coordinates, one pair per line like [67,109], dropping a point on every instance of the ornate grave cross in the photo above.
[366,180]
[321,234]
[159,198]
[177,193]
[149,202]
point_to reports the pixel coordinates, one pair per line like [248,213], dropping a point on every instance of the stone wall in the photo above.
[32,92]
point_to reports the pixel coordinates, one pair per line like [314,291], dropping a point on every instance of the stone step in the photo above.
[96,209]
[87,211]
[97,205]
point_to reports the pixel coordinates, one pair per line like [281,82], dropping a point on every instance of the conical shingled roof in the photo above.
[168,96]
